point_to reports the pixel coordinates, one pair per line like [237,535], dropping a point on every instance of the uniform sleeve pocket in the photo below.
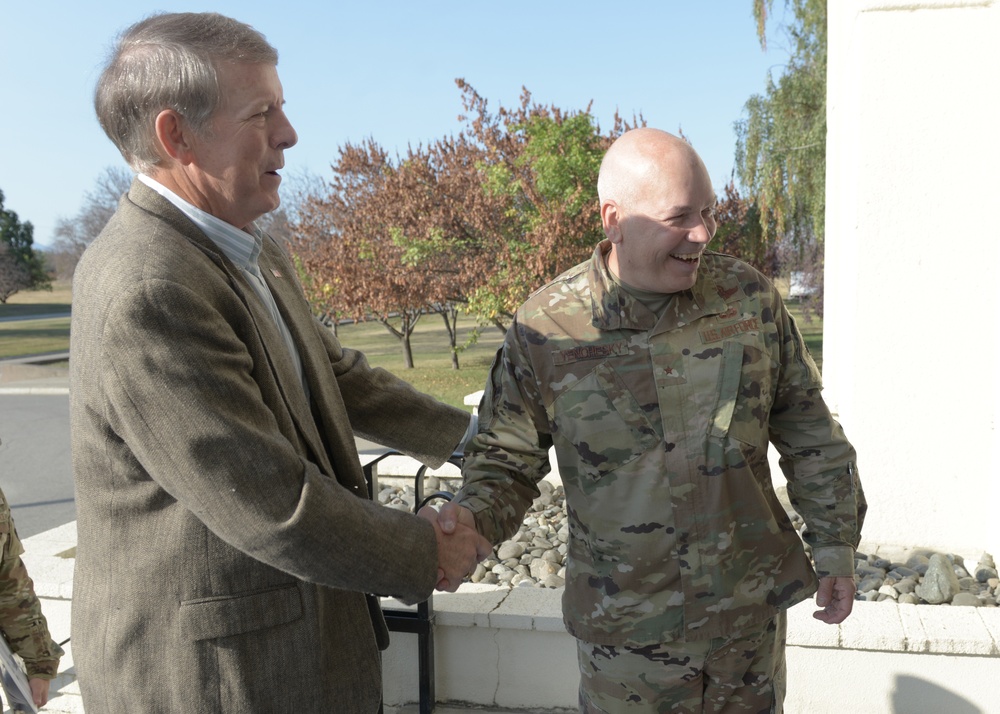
[224,616]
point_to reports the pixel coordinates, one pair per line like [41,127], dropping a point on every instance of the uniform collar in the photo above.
[615,309]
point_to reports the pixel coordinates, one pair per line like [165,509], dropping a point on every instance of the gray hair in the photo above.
[168,61]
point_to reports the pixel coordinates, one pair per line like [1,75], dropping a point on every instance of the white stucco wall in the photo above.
[910,352]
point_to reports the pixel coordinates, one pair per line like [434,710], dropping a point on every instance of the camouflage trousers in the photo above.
[745,673]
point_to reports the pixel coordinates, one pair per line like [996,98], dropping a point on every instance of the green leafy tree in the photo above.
[538,166]
[25,266]
[13,276]
[781,141]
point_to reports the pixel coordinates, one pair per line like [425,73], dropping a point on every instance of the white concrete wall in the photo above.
[910,352]
[508,649]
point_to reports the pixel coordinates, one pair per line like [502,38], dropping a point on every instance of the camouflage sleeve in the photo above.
[817,459]
[21,619]
[509,454]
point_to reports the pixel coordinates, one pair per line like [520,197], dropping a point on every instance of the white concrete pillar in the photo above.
[910,350]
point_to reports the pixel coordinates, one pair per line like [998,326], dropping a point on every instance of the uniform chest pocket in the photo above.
[744,394]
[601,423]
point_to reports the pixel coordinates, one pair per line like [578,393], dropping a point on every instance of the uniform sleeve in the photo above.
[24,627]
[817,459]
[509,454]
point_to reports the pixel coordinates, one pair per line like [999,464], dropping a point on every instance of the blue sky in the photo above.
[386,69]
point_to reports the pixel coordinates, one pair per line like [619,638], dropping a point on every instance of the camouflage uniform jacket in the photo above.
[661,428]
[21,619]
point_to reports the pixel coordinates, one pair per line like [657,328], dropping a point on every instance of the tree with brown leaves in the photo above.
[740,233]
[359,243]
[474,221]
[538,170]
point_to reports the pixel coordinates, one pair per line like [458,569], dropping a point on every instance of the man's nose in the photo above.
[700,233]
[285,136]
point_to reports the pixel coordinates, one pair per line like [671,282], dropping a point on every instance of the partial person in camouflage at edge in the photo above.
[660,371]
[21,619]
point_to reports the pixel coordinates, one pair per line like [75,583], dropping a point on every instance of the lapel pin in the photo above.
[275,273]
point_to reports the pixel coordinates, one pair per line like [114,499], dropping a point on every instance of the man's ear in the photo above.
[610,220]
[173,135]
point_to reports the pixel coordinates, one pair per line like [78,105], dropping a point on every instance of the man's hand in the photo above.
[39,690]
[451,515]
[836,597]
[460,547]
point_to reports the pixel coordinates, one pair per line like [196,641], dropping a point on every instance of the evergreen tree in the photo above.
[24,265]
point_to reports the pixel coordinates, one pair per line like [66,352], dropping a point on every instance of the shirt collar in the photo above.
[614,308]
[241,247]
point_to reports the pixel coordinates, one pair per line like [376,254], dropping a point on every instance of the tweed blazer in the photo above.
[225,537]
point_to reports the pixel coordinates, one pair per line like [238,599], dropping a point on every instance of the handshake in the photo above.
[460,547]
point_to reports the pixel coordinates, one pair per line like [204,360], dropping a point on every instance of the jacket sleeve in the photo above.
[21,619]
[182,390]
[382,407]
[388,410]
[510,452]
[817,459]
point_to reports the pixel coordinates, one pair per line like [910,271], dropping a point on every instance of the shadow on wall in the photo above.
[913,695]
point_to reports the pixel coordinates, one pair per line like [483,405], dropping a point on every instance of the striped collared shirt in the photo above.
[243,248]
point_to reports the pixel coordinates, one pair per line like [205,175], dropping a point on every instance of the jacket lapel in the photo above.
[278,356]
[330,411]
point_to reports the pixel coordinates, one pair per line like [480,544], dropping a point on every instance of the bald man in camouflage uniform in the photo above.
[21,619]
[660,372]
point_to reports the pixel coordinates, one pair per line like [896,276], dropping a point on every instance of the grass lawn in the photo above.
[32,337]
[29,337]
[38,302]
[811,329]
[432,372]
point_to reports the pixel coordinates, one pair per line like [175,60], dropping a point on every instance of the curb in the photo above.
[34,390]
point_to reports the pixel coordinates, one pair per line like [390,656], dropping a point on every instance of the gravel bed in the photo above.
[535,557]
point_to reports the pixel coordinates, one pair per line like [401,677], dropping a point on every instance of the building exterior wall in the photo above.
[912,306]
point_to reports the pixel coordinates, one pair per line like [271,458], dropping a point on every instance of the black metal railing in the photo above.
[419,621]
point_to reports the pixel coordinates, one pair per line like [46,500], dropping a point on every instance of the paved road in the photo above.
[35,468]
[46,316]
[35,465]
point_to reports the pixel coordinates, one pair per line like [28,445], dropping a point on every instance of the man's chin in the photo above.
[270,205]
